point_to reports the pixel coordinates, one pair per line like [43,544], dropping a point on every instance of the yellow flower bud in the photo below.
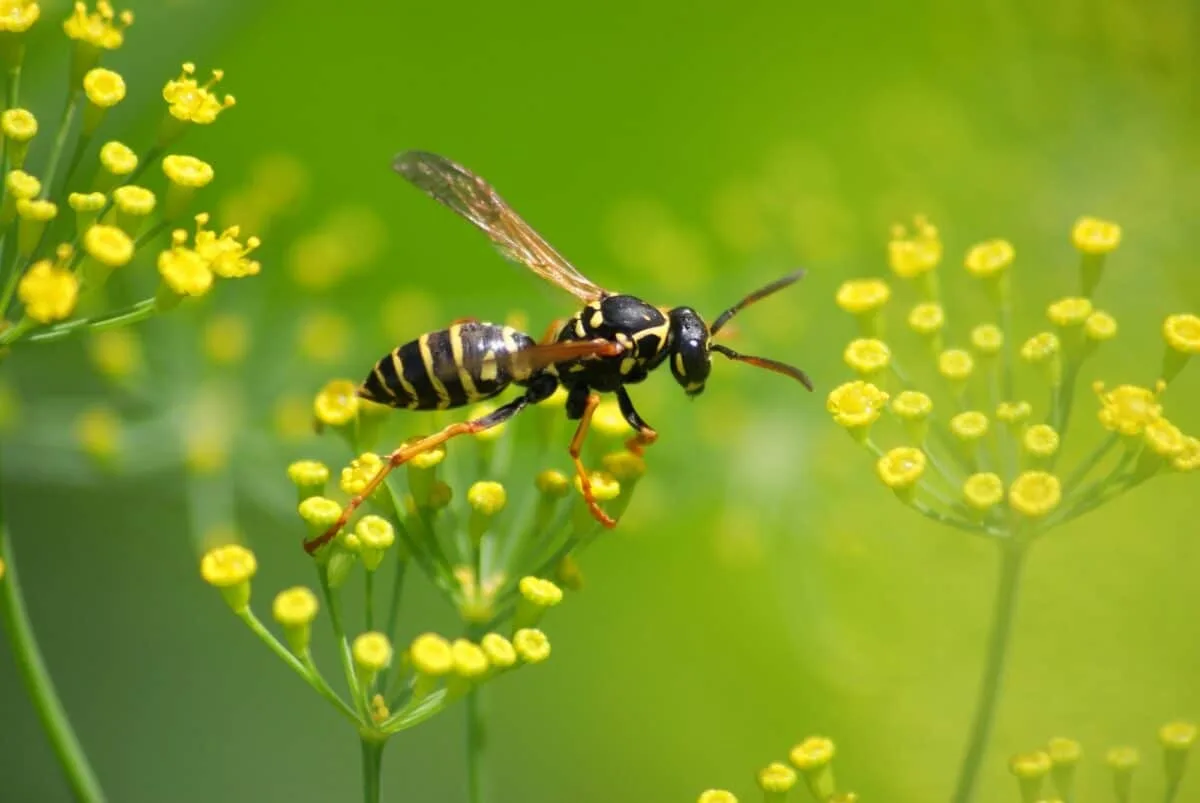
[987,339]
[117,158]
[1164,438]
[552,483]
[1040,441]
[19,127]
[1100,326]
[337,403]
[1069,312]
[531,645]
[716,796]
[229,568]
[499,650]
[1035,494]
[625,466]
[814,758]
[1189,458]
[955,365]
[372,654]
[915,255]
[927,318]
[856,406]
[605,487]
[1095,237]
[432,657]
[983,491]
[969,426]
[360,472]
[989,259]
[901,469]
[187,171]
[108,245]
[487,498]
[309,477]
[861,296]
[867,356]
[1014,413]
[294,610]
[48,291]
[319,513]
[470,661]
[776,779]
[1127,409]
[104,88]
[913,408]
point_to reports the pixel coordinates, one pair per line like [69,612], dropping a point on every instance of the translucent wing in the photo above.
[537,357]
[474,199]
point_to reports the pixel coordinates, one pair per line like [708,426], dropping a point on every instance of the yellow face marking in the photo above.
[427,359]
[487,367]
[398,367]
[679,363]
[580,329]
[597,319]
[456,349]
[627,365]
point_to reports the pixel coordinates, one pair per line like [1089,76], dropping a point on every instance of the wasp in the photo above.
[614,341]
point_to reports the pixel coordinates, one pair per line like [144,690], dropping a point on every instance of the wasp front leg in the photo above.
[646,434]
[581,404]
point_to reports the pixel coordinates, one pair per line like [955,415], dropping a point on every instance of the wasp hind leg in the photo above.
[537,391]
[582,404]
[646,434]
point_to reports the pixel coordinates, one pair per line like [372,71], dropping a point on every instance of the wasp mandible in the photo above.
[616,340]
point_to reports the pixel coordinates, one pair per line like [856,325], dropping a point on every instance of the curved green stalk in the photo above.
[60,142]
[476,747]
[372,764]
[133,314]
[1005,605]
[42,693]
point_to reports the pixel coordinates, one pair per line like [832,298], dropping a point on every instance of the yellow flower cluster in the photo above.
[947,438]
[810,762]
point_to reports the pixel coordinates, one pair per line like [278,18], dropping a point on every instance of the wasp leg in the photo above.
[551,333]
[538,391]
[585,421]
[646,434]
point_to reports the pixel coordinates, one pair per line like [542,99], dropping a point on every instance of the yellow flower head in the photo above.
[955,364]
[1030,765]
[1122,759]
[372,652]
[184,271]
[18,125]
[470,661]
[375,532]
[487,498]
[1064,752]
[1100,326]
[21,185]
[134,200]
[308,473]
[542,593]
[108,245]
[104,88]
[1040,348]
[228,565]
[1014,412]
[499,650]
[1182,333]
[1164,438]
[912,405]
[860,296]
[1040,440]
[18,16]
[983,491]
[605,487]
[361,471]
[48,291]
[191,102]
[625,466]
[813,753]
[118,158]
[37,210]
[226,254]
[295,607]
[969,426]
[431,655]
[776,778]
[927,318]
[337,403]
[552,483]
[1127,409]
[716,796]
[911,256]
[867,356]
[1189,458]
[187,171]
[1035,493]
[319,512]
[1177,735]
[1092,236]
[855,405]
[102,29]
[87,201]
[901,468]
[989,259]
[1071,311]
[531,645]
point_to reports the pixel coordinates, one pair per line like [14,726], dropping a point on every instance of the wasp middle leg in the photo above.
[582,404]
[646,434]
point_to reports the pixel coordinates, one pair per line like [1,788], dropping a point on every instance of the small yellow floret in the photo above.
[1188,458]
[18,16]
[1100,326]
[867,356]
[1164,438]
[470,661]
[295,607]
[1092,236]
[101,29]
[1030,765]
[184,271]
[969,426]
[912,405]
[104,88]
[1127,409]
[1035,493]
[1040,348]
[375,532]
[1122,759]
[337,403]
[228,565]
[18,125]
[716,796]
[21,185]
[1064,752]
[320,512]
[902,467]
[1040,440]
[990,258]
[431,655]
[860,296]
[1014,412]
[48,291]
[776,778]
[987,339]
[605,487]
[927,318]
[108,245]
[226,253]
[552,483]
[1177,735]
[531,645]
[308,473]
[1071,311]
[87,201]
[117,158]
[911,256]
[372,652]
[191,102]
[813,753]
[1182,333]
[134,200]
[487,498]
[187,171]
[499,650]
[983,491]
[542,593]
[37,210]
[361,471]
[855,405]
[955,364]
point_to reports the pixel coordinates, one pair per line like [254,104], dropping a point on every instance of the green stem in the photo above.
[136,313]
[1012,558]
[369,600]
[60,142]
[393,610]
[10,284]
[339,632]
[38,684]
[476,747]
[372,764]
[1090,462]
[1006,326]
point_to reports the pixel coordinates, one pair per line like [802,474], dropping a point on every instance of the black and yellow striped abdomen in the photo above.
[467,363]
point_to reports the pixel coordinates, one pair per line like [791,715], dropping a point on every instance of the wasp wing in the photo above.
[535,358]
[474,199]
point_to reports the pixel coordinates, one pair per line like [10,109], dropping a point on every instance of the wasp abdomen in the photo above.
[467,363]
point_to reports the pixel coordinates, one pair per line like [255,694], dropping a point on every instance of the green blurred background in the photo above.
[764,586]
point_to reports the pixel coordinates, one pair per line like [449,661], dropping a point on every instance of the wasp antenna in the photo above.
[757,295]
[763,362]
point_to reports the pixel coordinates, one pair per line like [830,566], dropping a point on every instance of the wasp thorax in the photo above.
[690,358]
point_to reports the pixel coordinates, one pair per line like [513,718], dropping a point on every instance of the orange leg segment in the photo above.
[585,421]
